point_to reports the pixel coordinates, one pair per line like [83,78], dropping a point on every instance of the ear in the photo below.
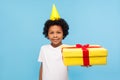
[47,37]
[63,37]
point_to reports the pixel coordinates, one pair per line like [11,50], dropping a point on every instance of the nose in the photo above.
[55,35]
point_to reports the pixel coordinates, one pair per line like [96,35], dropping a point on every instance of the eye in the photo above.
[59,32]
[51,32]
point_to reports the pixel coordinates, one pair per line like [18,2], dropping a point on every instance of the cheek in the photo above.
[50,36]
[61,36]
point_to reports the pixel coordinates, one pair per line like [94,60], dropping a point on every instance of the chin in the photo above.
[56,43]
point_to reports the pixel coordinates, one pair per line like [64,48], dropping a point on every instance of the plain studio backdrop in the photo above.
[90,21]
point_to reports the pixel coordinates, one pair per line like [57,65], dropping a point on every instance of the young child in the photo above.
[52,67]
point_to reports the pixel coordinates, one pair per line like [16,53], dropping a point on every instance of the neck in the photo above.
[56,45]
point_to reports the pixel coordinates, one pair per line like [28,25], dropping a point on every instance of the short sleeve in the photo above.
[41,55]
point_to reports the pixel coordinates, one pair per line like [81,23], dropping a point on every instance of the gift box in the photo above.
[84,55]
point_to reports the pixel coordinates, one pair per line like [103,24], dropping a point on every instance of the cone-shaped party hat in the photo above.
[54,14]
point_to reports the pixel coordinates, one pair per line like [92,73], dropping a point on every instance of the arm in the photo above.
[40,74]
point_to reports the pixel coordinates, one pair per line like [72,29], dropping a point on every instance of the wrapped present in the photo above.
[85,55]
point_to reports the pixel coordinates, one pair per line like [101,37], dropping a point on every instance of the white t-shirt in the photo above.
[53,67]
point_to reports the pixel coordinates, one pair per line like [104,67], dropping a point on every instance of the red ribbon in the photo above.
[86,61]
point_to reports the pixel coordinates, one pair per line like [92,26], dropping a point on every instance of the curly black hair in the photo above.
[60,22]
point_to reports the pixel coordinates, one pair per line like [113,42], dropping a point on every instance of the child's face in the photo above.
[55,35]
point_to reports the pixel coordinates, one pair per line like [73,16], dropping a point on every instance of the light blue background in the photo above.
[90,21]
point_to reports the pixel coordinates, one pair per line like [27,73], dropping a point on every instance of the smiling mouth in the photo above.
[55,39]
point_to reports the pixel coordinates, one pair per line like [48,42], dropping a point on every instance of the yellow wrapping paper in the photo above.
[74,56]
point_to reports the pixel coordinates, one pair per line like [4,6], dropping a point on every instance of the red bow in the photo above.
[85,53]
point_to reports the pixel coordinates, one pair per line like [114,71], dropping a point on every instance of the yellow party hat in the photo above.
[54,14]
